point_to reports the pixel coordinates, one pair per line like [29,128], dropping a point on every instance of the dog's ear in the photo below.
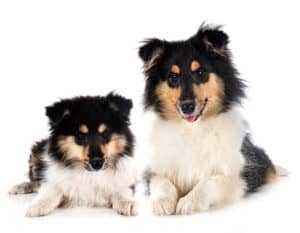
[58,111]
[119,104]
[212,39]
[151,51]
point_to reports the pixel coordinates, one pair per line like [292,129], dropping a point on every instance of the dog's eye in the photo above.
[81,138]
[173,79]
[201,75]
[106,135]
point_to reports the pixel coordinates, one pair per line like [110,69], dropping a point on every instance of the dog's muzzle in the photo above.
[191,110]
[97,163]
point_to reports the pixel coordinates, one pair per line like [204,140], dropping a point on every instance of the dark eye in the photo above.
[81,138]
[201,75]
[106,135]
[173,79]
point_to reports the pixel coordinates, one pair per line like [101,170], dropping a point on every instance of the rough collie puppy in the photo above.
[86,159]
[202,154]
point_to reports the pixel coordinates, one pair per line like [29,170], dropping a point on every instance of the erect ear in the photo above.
[58,111]
[212,39]
[119,104]
[151,51]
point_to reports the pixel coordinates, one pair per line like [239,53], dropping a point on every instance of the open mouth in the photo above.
[193,117]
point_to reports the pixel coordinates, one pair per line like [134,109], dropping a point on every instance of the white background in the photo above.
[55,49]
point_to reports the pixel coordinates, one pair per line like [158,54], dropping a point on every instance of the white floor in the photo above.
[273,209]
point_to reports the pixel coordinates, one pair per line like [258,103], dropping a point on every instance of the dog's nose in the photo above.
[97,163]
[187,106]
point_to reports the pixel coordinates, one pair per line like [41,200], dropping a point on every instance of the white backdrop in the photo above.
[55,49]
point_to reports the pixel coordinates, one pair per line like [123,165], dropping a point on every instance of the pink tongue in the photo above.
[190,118]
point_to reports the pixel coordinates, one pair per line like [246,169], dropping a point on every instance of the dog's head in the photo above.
[192,78]
[90,131]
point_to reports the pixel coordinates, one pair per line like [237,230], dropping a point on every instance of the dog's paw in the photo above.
[188,205]
[164,206]
[22,188]
[126,208]
[39,210]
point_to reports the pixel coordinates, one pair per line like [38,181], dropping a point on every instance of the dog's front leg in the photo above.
[47,200]
[124,204]
[164,195]
[214,191]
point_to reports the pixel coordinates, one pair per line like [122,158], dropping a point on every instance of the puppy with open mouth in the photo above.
[86,160]
[202,153]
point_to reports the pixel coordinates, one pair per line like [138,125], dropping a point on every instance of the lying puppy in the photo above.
[86,159]
[202,154]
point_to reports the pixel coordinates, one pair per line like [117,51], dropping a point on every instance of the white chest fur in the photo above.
[188,152]
[91,188]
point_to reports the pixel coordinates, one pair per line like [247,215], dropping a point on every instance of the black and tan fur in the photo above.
[89,140]
[195,81]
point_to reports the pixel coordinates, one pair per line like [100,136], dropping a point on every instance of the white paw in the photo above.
[39,210]
[164,206]
[126,208]
[22,188]
[188,205]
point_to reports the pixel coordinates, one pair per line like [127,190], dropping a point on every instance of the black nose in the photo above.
[97,163]
[187,106]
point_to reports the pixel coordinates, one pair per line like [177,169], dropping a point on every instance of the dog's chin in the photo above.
[85,165]
[91,169]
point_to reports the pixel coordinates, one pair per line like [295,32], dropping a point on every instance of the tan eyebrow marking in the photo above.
[195,65]
[102,128]
[83,129]
[175,69]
